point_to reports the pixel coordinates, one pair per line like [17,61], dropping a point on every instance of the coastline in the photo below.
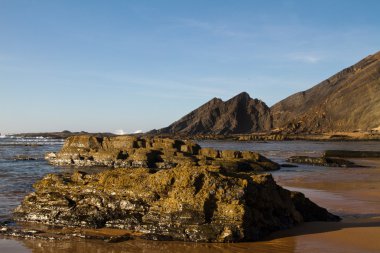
[358,231]
[263,136]
[352,193]
[335,136]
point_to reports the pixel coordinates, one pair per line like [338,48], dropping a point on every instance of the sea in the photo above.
[22,163]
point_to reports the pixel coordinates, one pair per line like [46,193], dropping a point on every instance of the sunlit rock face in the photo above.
[347,101]
[187,203]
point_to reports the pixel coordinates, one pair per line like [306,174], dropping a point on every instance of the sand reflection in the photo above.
[141,246]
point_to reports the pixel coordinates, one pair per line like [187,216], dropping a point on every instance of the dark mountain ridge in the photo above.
[347,101]
[240,114]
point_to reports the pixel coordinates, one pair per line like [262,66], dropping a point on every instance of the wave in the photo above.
[28,141]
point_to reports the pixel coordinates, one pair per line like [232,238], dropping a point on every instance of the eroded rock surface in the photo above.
[158,153]
[188,203]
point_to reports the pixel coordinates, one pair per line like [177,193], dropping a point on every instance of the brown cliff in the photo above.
[347,101]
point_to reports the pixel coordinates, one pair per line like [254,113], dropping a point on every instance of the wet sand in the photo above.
[353,193]
[347,236]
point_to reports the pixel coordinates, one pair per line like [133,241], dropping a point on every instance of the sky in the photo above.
[123,66]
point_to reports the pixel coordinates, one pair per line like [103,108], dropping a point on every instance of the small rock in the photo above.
[322,161]
[115,239]
[352,154]
[287,165]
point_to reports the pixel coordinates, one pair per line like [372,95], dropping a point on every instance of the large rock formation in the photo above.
[241,114]
[152,152]
[188,203]
[347,101]
[165,189]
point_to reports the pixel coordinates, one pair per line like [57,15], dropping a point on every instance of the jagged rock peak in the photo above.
[242,95]
[238,115]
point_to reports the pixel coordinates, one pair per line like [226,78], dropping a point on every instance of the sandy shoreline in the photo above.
[352,193]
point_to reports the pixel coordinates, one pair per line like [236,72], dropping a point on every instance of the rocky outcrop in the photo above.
[187,203]
[262,137]
[152,152]
[26,158]
[322,161]
[60,135]
[347,101]
[352,153]
[241,114]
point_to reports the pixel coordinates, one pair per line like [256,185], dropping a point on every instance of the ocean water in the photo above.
[335,187]
[16,175]
[279,151]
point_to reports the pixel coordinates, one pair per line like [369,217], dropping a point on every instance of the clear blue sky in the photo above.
[108,65]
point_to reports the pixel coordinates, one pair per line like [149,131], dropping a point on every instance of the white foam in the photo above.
[119,132]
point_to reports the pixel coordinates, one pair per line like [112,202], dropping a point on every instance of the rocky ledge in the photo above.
[187,203]
[152,152]
[352,154]
[322,161]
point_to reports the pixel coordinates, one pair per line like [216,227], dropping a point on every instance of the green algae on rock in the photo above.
[152,152]
[187,203]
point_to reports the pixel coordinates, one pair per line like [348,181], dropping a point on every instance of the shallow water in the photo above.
[280,150]
[353,193]
[17,176]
